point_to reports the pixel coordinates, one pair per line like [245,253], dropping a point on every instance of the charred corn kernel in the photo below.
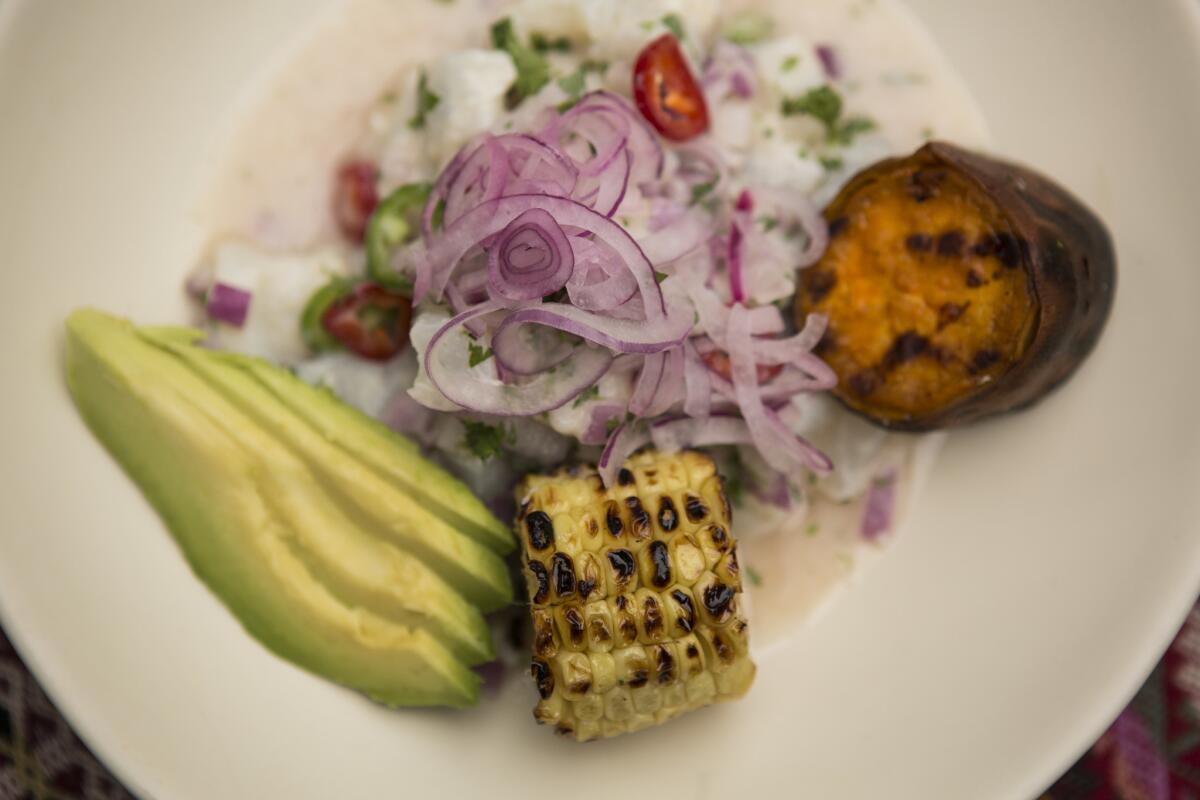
[572,626]
[687,559]
[589,576]
[634,595]
[599,623]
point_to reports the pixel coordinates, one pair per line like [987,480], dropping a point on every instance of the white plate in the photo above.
[1048,564]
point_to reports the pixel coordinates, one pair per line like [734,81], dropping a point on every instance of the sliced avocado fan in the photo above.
[362,596]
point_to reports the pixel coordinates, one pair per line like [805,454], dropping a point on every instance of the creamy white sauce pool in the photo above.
[273,184]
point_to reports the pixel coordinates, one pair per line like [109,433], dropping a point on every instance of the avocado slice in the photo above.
[376,505]
[395,458]
[194,456]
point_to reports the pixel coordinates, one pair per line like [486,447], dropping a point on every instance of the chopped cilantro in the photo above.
[544,44]
[612,425]
[426,101]
[812,529]
[789,64]
[674,24]
[754,576]
[439,215]
[832,163]
[575,84]
[848,129]
[926,133]
[590,393]
[702,190]
[486,441]
[824,104]
[768,223]
[479,354]
[533,71]
[748,27]
[660,276]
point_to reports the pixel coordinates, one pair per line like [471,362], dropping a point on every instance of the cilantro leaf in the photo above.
[789,64]
[590,393]
[533,71]
[748,27]
[479,354]
[426,101]
[825,105]
[831,163]
[702,190]
[849,128]
[660,276]
[822,103]
[544,44]
[674,24]
[754,576]
[486,441]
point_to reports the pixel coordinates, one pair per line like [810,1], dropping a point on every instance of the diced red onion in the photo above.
[448,366]
[730,71]
[531,258]
[830,63]
[737,288]
[492,675]
[624,442]
[774,492]
[877,512]
[229,304]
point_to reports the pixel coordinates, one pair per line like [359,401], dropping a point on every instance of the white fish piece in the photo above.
[280,286]
[470,86]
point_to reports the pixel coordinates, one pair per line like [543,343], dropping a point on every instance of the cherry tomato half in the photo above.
[371,321]
[355,196]
[666,92]
[718,362]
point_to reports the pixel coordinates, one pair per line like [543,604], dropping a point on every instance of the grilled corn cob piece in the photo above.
[634,594]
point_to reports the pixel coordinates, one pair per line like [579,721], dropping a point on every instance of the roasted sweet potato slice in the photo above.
[957,287]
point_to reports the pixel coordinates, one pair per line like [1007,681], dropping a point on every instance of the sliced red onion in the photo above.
[674,435]
[647,383]
[830,63]
[714,315]
[795,210]
[675,241]
[618,335]
[670,391]
[591,134]
[780,448]
[606,190]
[494,216]
[448,366]
[603,415]
[531,259]
[877,512]
[797,352]
[531,160]
[482,177]
[600,281]
[229,304]
[643,141]
[624,442]
[697,400]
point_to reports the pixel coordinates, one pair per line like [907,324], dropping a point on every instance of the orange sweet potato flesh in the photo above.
[957,287]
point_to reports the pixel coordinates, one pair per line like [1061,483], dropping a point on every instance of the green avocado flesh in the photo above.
[357,584]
